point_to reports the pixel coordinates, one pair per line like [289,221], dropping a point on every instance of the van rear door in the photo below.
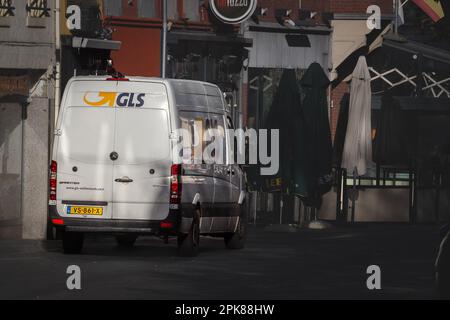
[141,173]
[86,138]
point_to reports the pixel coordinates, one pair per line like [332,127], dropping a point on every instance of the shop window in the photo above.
[263,86]
[147,9]
[172,11]
[218,125]
[91,19]
[37,11]
[113,8]
[191,9]
[6,8]
[38,8]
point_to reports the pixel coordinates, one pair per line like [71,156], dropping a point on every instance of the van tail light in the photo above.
[166,225]
[58,222]
[175,186]
[53,182]
[118,79]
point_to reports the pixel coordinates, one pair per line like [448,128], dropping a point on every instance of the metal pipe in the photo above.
[164,41]
[57,58]
[396,12]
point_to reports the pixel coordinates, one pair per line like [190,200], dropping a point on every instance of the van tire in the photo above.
[126,241]
[188,244]
[237,240]
[73,242]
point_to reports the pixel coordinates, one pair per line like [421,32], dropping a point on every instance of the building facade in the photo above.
[39,54]
[198,46]
[27,81]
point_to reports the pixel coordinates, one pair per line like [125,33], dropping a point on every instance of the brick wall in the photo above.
[273,5]
[337,6]
[336,97]
[320,6]
[359,6]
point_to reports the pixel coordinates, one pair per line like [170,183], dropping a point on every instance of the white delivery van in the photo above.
[113,170]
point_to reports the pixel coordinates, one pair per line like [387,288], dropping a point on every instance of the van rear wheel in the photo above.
[188,245]
[236,241]
[73,242]
[126,241]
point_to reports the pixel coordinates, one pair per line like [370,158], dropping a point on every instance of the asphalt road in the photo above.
[308,264]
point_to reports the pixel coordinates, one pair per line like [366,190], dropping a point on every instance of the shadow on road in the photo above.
[145,248]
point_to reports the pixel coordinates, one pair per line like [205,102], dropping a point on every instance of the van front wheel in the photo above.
[188,245]
[73,242]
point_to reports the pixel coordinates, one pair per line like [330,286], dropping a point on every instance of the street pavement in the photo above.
[326,264]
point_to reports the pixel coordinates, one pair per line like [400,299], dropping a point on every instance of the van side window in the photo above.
[195,124]
[203,131]
[235,142]
[220,133]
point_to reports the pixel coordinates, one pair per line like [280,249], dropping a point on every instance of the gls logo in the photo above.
[111,99]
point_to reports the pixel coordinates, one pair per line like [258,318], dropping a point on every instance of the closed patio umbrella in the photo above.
[357,155]
[283,116]
[313,158]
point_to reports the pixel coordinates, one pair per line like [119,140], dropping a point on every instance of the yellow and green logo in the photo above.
[112,99]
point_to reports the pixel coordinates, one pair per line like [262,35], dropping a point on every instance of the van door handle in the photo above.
[124,180]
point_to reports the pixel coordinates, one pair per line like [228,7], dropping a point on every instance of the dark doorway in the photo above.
[11,133]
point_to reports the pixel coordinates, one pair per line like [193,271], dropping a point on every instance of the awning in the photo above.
[429,52]
[78,42]
[14,98]
[416,103]
[30,56]
[269,27]
[424,104]
[372,40]
[276,46]
[174,37]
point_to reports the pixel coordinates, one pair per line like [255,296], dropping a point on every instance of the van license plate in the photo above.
[85,211]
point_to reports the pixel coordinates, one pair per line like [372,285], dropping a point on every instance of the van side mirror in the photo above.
[236,147]
[230,124]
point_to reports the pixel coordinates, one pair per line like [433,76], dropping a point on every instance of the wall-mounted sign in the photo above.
[233,11]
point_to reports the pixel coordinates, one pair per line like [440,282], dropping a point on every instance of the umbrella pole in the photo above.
[255,194]
[354,197]
[281,208]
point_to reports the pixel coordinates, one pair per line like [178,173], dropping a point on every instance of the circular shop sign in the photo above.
[233,11]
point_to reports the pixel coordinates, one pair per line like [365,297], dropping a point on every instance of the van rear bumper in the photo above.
[107,225]
[112,226]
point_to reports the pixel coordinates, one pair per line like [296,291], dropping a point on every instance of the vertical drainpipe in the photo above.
[164,41]
[396,11]
[58,59]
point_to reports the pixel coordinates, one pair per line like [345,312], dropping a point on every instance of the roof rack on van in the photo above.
[115,75]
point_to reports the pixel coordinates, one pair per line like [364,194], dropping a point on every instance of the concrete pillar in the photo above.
[35,169]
